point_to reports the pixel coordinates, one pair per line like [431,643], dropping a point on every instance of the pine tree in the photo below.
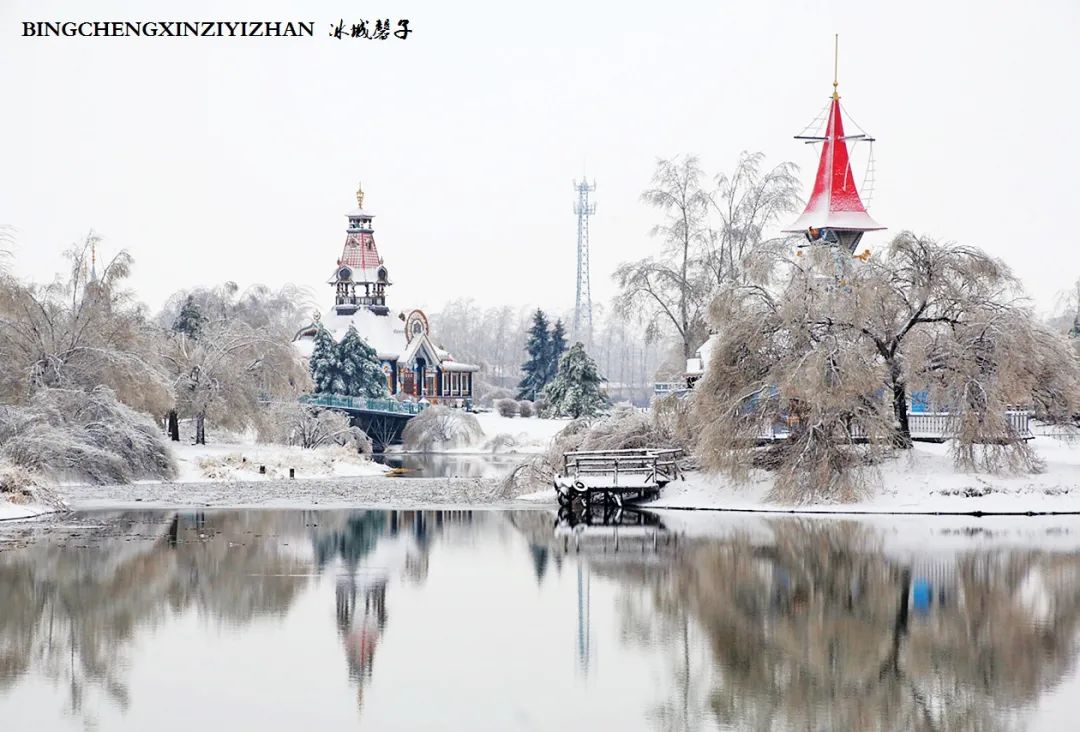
[323,362]
[536,367]
[190,319]
[576,391]
[358,367]
[556,349]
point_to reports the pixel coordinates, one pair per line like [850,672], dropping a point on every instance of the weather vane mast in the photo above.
[359,195]
[836,66]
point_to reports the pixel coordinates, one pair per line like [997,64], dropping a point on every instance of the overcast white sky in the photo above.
[235,159]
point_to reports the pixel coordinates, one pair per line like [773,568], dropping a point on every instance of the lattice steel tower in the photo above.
[583,302]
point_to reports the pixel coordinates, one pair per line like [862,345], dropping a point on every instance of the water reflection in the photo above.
[628,617]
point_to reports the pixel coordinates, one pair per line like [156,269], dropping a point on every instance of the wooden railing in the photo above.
[658,466]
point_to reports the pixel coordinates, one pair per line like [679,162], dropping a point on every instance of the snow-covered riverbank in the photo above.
[363,492]
[924,481]
[16,511]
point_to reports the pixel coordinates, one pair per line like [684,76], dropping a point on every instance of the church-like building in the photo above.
[413,364]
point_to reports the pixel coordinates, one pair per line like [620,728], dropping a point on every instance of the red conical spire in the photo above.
[835,202]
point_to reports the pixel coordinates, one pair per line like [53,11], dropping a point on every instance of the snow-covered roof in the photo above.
[696,366]
[458,366]
[384,333]
[360,213]
[422,346]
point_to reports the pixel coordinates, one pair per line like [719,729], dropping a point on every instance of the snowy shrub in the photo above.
[506,407]
[541,405]
[294,423]
[525,408]
[492,394]
[19,485]
[441,428]
[87,436]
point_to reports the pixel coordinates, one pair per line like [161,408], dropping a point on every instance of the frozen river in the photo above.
[286,619]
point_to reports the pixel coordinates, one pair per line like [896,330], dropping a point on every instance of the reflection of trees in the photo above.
[69,612]
[818,629]
[71,606]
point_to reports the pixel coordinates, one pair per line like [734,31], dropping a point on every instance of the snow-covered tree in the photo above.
[71,434]
[242,360]
[536,368]
[294,423]
[190,319]
[556,349]
[323,362]
[577,389]
[78,332]
[705,235]
[829,346]
[440,428]
[358,368]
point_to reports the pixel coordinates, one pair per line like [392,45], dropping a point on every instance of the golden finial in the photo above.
[359,196]
[836,66]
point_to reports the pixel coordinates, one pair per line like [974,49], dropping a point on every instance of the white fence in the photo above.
[928,426]
[941,425]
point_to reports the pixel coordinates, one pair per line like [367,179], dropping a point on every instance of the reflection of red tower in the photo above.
[361,627]
[835,213]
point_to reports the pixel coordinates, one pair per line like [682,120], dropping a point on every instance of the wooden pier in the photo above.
[616,476]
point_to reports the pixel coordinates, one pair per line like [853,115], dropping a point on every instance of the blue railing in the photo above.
[363,404]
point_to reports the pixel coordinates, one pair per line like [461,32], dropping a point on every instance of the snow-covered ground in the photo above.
[920,482]
[12,511]
[235,461]
[924,481]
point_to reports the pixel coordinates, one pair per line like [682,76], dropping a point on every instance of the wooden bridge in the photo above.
[383,420]
[615,476]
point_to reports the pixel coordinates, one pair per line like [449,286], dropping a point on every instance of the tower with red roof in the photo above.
[361,279]
[835,214]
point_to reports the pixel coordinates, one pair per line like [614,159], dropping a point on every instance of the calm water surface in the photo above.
[450,465]
[488,620]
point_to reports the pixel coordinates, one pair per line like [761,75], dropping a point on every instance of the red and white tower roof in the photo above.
[834,202]
[360,254]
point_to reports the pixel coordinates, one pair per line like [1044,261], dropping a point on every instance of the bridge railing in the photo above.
[363,404]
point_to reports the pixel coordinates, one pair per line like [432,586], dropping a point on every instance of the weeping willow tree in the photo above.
[825,348]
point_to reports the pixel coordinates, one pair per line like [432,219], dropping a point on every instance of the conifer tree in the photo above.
[323,362]
[556,349]
[358,367]
[536,368]
[576,391]
[190,319]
